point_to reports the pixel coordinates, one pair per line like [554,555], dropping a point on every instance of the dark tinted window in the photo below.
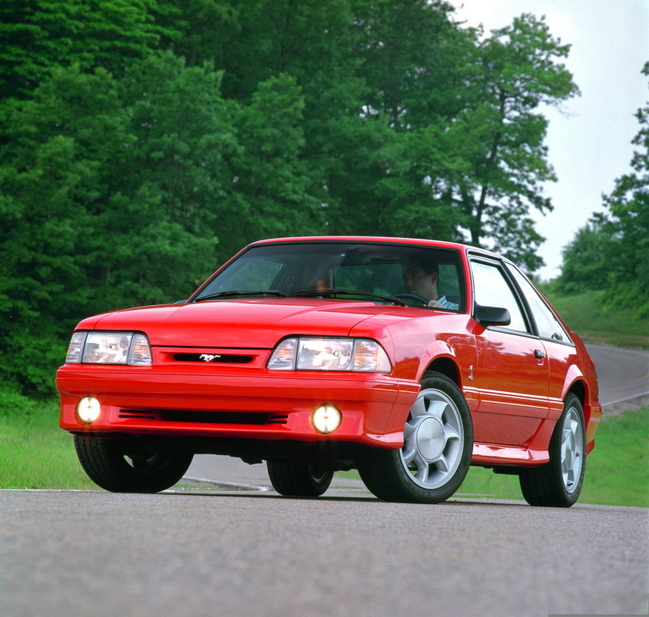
[293,269]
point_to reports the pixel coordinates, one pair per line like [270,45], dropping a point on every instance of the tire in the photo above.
[121,466]
[298,479]
[558,483]
[437,451]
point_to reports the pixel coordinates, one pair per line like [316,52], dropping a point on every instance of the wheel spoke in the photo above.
[566,446]
[437,408]
[408,454]
[423,469]
[419,407]
[408,431]
[442,464]
[568,477]
[450,434]
[145,464]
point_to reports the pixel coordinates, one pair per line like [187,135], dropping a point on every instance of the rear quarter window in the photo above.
[547,325]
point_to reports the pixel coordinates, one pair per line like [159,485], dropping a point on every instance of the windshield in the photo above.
[376,272]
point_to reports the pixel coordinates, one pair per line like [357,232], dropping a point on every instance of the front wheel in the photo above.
[558,483]
[436,455]
[121,465]
[299,479]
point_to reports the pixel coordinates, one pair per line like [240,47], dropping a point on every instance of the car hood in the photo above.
[249,323]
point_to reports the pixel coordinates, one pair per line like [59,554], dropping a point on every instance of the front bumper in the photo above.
[267,405]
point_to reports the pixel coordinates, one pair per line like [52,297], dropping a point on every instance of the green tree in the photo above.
[411,54]
[38,36]
[412,124]
[51,176]
[107,200]
[175,172]
[409,62]
[271,192]
[254,40]
[522,72]
[629,206]
[489,161]
[612,251]
[587,258]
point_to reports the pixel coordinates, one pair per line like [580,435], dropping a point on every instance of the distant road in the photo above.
[623,374]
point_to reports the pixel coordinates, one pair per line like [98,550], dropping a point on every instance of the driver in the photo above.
[420,277]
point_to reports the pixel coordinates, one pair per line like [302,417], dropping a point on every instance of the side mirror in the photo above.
[492,315]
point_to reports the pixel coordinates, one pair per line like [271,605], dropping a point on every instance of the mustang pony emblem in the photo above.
[208,357]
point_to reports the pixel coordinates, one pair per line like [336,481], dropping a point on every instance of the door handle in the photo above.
[538,354]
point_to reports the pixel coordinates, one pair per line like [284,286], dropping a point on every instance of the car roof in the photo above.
[463,248]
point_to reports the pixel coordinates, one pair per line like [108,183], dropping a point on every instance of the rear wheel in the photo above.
[438,443]
[122,466]
[299,479]
[558,483]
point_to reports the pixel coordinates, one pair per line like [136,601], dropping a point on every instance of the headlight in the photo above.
[109,348]
[329,354]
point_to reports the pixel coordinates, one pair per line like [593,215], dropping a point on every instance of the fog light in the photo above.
[326,418]
[88,409]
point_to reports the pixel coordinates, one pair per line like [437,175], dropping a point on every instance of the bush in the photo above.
[15,404]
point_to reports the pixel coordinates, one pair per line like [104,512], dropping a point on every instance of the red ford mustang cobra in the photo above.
[409,360]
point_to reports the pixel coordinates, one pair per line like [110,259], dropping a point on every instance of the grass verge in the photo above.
[586,315]
[617,471]
[36,454]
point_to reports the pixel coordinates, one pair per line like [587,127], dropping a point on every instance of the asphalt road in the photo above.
[68,554]
[623,374]
[238,549]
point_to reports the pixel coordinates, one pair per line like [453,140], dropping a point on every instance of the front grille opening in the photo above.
[206,358]
[127,414]
[254,418]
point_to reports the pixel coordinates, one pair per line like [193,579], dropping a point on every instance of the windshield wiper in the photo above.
[329,293]
[233,293]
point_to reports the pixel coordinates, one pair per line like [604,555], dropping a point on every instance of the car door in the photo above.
[560,350]
[512,372]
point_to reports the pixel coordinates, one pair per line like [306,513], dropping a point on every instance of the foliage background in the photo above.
[143,142]
[611,252]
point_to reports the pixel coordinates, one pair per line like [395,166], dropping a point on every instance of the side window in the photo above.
[492,289]
[548,325]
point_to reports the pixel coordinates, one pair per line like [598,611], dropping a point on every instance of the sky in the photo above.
[589,140]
